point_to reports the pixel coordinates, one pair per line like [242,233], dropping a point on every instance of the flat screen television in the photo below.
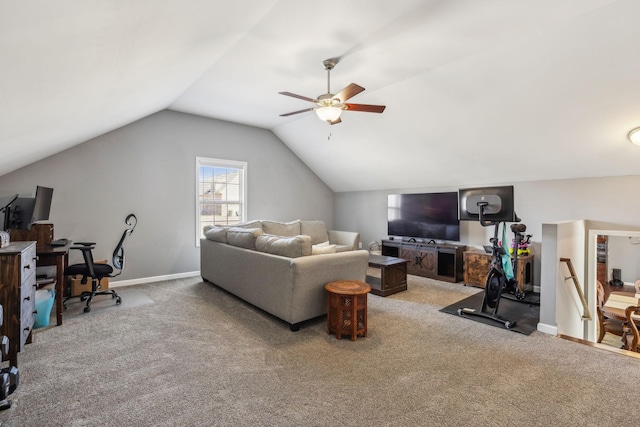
[432,216]
[497,204]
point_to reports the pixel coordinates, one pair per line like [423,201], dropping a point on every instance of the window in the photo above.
[220,193]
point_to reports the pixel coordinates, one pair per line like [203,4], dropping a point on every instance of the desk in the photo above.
[58,256]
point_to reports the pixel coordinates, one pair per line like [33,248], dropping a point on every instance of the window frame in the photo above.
[223,163]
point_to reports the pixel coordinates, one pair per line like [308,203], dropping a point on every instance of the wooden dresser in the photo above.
[476,268]
[18,294]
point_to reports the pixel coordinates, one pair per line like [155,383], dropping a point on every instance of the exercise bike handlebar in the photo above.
[487,222]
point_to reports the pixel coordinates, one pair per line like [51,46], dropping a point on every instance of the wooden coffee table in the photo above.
[393,275]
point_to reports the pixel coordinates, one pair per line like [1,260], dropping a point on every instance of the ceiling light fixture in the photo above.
[329,108]
[329,114]
[634,136]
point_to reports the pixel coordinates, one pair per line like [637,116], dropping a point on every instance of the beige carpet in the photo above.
[131,298]
[198,356]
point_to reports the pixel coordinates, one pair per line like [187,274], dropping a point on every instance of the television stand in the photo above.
[440,261]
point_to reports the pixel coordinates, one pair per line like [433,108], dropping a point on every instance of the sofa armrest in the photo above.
[344,238]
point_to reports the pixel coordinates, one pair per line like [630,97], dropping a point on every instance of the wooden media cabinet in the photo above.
[440,261]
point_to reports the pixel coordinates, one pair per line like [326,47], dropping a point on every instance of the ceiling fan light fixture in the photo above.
[634,136]
[329,106]
[329,113]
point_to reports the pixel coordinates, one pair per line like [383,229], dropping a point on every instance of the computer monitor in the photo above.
[5,203]
[42,208]
[18,215]
[22,212]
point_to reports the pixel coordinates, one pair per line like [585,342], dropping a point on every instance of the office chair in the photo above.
[97,272]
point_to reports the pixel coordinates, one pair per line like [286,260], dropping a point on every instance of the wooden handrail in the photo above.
[586,314]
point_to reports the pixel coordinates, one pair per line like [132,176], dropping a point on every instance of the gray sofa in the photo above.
[279,267]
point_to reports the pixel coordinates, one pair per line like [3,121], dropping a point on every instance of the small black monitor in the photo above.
[5,203]
[495,203]
[44,195]
[21,212]
[18,215]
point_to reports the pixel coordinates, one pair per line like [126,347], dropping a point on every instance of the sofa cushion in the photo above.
[323,248]
[317,230]
[287,229]
[217,234]
[243,237]
[291,247]
[250,224]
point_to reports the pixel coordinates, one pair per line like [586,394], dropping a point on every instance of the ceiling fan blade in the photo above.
[366,108]
[348,92]
[304,98]
[297,112]
[336,121]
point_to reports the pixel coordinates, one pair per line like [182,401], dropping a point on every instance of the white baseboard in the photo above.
[130,282]
[548,329]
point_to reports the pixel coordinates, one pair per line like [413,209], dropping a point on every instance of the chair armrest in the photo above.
[85,243]
[631,334]
[347,238]
[83,248]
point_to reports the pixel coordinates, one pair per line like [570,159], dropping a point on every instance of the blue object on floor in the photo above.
[44,304]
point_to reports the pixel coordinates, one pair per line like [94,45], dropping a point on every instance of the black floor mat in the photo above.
[525,314]
[529,298]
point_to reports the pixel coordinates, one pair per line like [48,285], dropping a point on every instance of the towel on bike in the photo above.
[506,257]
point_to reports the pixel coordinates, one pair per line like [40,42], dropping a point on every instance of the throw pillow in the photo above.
[291,247]
[243,237]
[316,229]
[217,234]
[323,248]
[287,229]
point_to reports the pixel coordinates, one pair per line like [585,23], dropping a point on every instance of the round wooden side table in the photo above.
[347,313]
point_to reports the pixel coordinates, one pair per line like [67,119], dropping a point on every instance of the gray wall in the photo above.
[610,199]
[624,253]
[148,168]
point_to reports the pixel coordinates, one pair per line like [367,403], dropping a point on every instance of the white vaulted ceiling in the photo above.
[476,91]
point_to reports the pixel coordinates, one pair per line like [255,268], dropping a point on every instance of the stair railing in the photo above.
[586,314]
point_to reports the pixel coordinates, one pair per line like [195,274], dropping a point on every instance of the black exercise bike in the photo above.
[497,283]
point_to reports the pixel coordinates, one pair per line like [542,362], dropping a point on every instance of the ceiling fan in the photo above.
[329,107]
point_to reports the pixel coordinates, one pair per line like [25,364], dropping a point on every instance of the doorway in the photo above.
[609,251]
